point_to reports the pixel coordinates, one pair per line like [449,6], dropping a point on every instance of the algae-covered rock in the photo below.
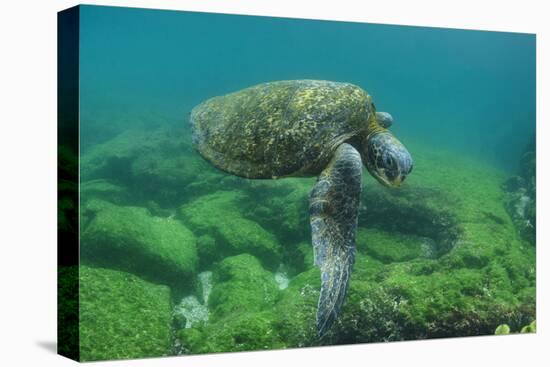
[371,314]
[218,217]
[105,190]
[521,207]
[502,329]
[241,285]
[423,214]
[296,311]
[131,239]
[122,316]
[240,306]
[243,332]
[248,312]
[477,273]
[207,250]
[439,257]
[152,164]
[281,205]
[394,247]
[520,198]
[112,159]
[531,328]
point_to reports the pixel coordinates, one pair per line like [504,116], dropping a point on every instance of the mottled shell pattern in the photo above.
[283,128]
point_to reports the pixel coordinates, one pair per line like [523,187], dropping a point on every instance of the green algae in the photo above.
[438,257]
[156,165]
[131,239]
[240,304]
[218,216]
[484,278]
[280,206]
[372,314]
[105,190]
[241,284]
[122,316]
[502,330]
[296,310]
[531,328]
[392,247]
[243,332]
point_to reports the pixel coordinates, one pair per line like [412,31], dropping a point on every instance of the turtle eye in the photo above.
[388,161]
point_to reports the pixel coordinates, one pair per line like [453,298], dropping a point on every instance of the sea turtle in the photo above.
[305,128]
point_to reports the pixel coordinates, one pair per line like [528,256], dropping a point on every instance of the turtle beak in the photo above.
[400,178]
[398,181]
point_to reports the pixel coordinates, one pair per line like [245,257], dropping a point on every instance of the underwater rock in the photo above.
[521,208]
[157,165]
[241,285]
[438,258]
[101,122]
[281,205]
[520,198]
[256,315]
[112,159]
[104,190]
[122,316]
[371,314]
[528,168]
[425,215]
[223,231]
[131,239]
[297,309]
[243,332]
[302,258]
[502,329]
[520,204]
[240,308]
[514,183]
[505,329]
[192,309]
[531,328]
[394,247]
[297,257]
[207,250]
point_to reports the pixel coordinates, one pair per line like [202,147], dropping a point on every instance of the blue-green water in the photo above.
[472,91]
[178,257]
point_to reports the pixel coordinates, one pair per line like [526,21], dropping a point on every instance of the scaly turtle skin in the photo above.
[305,128]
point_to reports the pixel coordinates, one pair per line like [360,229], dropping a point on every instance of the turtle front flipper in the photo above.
[333,209]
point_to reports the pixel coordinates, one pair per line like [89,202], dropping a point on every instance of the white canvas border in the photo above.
[28,184]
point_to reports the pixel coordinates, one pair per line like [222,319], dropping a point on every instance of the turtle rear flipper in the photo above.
[333,209]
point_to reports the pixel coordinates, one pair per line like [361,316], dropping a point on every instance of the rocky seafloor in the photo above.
[180,258]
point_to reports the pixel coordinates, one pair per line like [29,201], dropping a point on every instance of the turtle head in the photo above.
[386,158]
